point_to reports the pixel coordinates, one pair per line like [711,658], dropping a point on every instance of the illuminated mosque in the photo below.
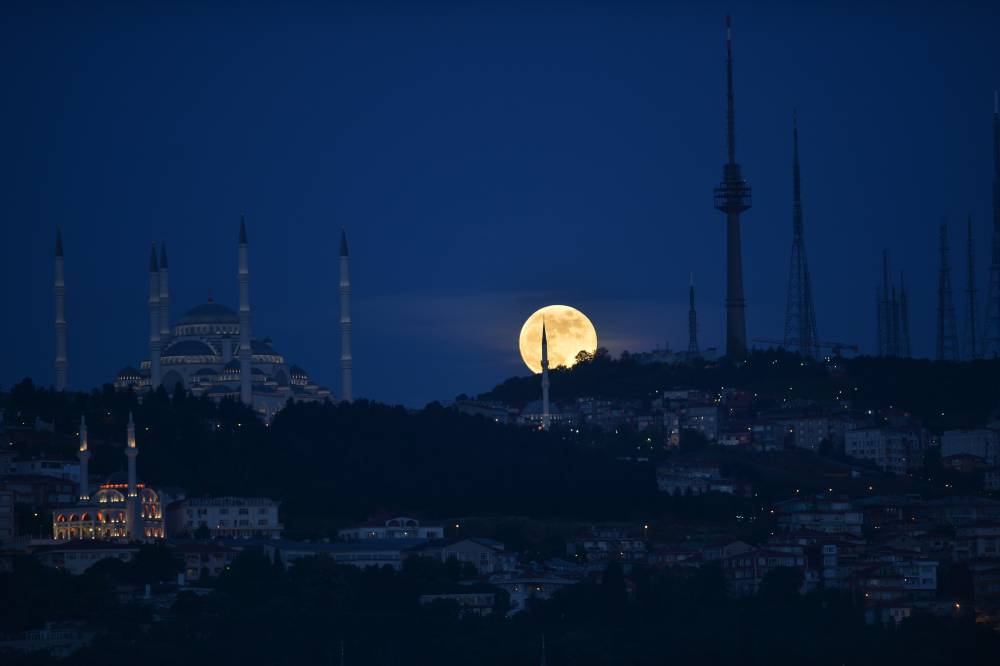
[210,350]
[121,508]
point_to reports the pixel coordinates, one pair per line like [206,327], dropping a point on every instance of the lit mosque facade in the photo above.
[122,508]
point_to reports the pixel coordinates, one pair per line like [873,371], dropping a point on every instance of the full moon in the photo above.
[567,331]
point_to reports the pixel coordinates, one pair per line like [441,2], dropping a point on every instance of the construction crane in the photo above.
[836,347]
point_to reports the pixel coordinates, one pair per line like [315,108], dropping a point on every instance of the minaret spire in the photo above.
[164,297]
[800,314]
[245,351]
[692,321]
[59,290]
[546,415]
[154,321]
[84,456]
[134,517]
[346,361]
[732,197]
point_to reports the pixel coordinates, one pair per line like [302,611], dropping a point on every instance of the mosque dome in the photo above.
[209,313]
[129,373]
[119,478]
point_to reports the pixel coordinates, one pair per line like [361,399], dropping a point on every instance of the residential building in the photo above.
[895,450]
[702,418]
[361,554]
[979,540]
[479,603]
[600,546]
[745,571]
[826,514]
[60,469]
[38,492]
[983,443]
[400,527]
[485,555]
[686,478]
[225,517]
[203,560]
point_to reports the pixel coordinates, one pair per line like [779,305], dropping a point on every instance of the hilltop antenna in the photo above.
[947,340]
[800,315]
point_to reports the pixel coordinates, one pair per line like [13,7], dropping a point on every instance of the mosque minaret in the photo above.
[84,455]
[132,497]
[346,387]
[164,297]
[59,289]
[546,415]
[154,319]
[246,373]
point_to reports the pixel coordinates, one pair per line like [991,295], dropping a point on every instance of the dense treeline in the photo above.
[261,614]
[942,394]
[332,463]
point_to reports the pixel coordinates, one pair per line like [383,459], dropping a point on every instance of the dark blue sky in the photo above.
[485,161]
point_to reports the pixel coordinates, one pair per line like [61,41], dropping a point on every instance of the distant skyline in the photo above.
[485,162]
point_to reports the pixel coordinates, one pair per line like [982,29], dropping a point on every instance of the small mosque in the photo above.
[122,508]
[210,349]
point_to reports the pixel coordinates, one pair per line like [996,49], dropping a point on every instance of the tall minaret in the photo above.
[59,288]
[84,455]
[546,416]
[732,197]
[692,321]
[154,321]
[246,353]
[134,523]
[164,296]
[346,362]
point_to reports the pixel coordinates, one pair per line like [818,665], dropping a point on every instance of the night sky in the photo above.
[485,161]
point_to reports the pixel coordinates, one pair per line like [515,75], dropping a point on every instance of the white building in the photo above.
[825,514]
[400,527]
[894,450]
[361,554]
[982,443]
[60,469]
[225,517]
[485,555]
